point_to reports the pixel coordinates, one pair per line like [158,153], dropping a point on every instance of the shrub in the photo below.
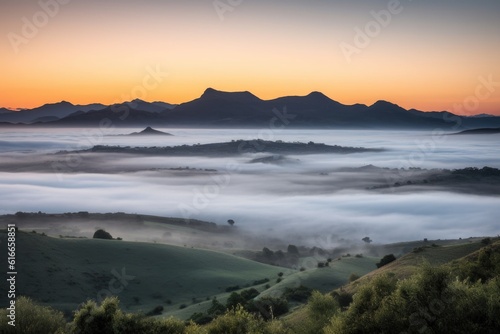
[156,311]
[486,241]
[319,310]
[299,294]
[32,318]
[260,281]
[94,319]
[353,277]
[236,321]
[101,234]
[232,288]
[268,307]
[386,260]
[343,298]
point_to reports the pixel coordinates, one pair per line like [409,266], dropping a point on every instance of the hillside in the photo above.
[65,272]
[405,266]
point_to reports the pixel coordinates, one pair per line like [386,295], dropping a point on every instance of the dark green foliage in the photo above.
[344,299]
[386,260]
[240,321]
[299,294]
[201,318]
[101,234]
[267,252]
[292,249]
[232,288]
[94,319]
[156,311]
[320,309]
[268,307]
[216,308]
[241,298]
[486,241]
[485,266]
[260,281]
[432,301]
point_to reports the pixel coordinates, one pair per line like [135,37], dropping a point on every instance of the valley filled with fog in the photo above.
[309,199]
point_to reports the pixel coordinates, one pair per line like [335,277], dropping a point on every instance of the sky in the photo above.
[428,55]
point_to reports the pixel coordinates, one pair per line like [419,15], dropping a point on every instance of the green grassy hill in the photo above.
[66,272]
[405,266]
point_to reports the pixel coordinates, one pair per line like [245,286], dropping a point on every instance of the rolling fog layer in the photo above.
[306,197]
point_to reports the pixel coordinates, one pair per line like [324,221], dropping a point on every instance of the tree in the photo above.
[386,260]
[230,222]
[367,240]
[101,234]
[292,249]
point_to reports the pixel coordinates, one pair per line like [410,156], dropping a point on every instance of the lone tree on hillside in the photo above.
[367,240]
[386,260]
[230,222]
[101,234]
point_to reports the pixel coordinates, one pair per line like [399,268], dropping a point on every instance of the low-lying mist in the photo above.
[300,200]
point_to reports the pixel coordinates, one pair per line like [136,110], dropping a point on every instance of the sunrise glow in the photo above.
[424,55]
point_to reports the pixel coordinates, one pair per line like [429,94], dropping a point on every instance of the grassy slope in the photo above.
[403,268]
[66,272]
[325,279]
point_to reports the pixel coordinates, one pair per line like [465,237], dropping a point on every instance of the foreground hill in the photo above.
[454,257]
[65,272]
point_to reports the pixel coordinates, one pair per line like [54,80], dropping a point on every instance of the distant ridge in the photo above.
[482,131]
[219,109]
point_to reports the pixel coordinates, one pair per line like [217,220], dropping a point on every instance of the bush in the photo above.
[486,241]
[268,307]
[241,298]
[431,301]
[240,321]
[353,277]
[319,310]
[94,319]
[300,294]
[343,298]
[232,288]
[101,234]
[32,318]
[156,311]
[260,281]
[386,260]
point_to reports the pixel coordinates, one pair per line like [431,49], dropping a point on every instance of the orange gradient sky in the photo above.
[430,55]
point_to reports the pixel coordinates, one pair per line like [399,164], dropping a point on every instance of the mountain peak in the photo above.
[61,103]
[316,94]
[209,91]
[383,105]
[244,96]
